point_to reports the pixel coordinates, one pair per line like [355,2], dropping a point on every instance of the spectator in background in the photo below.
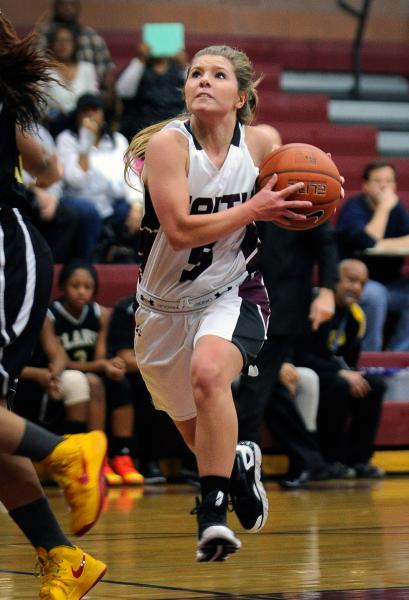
[376,220]
[58,222]
[82,325]
[91,46]
[303,384]
[151,89]
[350,403]
[287,259]
[111,210]
[58,398]
[72,77]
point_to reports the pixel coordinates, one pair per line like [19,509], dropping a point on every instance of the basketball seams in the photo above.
[302,171]
[295,146]
[305,163]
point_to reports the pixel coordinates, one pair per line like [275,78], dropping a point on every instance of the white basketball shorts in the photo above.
[164,345]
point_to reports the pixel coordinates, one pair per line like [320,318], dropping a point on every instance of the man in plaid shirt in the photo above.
[91,46]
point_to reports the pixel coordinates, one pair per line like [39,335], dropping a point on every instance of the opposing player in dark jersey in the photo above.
[203,306]
[25,282]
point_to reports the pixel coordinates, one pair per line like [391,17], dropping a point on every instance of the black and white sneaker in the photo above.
[248,496]
[216,541]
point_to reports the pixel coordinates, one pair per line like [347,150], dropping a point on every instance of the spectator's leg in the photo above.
[307,396]
[90,226]
[255,392]
[398,302]
[287,426]
[366,414]
[374,302]
[333,415]
[97,403]
[62,233]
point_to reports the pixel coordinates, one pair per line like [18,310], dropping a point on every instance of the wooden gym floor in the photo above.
[333,541]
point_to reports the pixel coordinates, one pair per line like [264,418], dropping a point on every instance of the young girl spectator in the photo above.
[82,324]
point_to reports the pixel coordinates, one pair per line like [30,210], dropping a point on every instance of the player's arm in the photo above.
[37,160]
[165,172]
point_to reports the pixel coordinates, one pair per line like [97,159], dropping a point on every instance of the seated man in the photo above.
[377,219]
[350,403]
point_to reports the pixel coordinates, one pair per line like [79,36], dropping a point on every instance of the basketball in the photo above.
[322,183]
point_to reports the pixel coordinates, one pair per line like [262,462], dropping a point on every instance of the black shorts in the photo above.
[26,269]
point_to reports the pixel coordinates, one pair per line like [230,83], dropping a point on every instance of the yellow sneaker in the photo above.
[77,466]
[111,478]
[123,466]
[67,573]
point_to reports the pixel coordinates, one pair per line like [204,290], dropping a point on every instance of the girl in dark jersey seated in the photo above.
[82,325]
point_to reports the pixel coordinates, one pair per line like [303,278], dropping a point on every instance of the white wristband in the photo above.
[86,139]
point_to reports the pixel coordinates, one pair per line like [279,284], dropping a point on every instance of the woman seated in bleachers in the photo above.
[73,77]
[92,155]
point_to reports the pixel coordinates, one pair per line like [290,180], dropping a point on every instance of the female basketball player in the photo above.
[25,281]
[203,308]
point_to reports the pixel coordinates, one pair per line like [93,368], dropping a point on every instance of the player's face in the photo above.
[211,86]
[79,289]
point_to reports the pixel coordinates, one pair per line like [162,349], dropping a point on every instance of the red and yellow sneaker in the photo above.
[77,466]
[111,477]
[123,466]
[67,573]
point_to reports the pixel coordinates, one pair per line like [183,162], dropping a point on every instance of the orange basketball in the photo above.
[322,183]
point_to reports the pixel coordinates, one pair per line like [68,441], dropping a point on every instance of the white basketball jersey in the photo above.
[172,274]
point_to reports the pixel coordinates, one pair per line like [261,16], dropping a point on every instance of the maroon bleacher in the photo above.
[351,168]
[337,139]
[394,426]
[312,54]
[290,53]
[279,106]
[115,282]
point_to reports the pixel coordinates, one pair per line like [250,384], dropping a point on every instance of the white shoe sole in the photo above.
[258,487]
[217,543]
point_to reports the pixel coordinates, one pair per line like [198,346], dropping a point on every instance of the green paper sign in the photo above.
[164,39]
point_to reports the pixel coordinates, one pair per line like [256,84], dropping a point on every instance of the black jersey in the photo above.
[78,336]
[12,192]
[25,265]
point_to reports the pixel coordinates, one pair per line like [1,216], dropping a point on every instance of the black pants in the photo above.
[347,426]
[259,398]
[155,434]
[26,274]
[62,233]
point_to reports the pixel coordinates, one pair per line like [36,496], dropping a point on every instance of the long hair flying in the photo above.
[24,71]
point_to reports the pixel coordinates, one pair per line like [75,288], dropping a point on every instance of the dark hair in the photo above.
[69,268]
[377,164]
[24,70]
[54,31]
[85,102]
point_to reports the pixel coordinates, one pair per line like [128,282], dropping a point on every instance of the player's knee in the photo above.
[206,380]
